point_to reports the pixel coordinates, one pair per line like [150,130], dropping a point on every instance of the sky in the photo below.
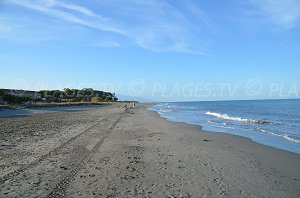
[153,50]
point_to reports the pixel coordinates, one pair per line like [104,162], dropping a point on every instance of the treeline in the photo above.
[76,95]
[15,99]
[66,95]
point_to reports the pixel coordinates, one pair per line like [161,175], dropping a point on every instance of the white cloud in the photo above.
[77,8]
[159,26]
[285,13]
[153,24]
[54,8]
[197,12]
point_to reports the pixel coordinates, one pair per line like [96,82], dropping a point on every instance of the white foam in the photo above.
[166,108]
[285,136]
[291,139]
[224,127]
[238,119]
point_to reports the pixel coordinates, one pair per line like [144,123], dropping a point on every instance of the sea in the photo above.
[275,123]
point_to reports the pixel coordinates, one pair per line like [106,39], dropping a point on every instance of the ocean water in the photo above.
[274,123]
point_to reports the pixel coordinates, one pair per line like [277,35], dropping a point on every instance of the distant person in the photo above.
[132,104]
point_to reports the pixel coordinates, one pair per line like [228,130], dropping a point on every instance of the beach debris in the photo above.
[207,140]
[63,167]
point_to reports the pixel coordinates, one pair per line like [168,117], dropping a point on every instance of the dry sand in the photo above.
[113,152]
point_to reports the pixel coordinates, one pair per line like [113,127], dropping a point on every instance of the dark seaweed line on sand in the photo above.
[43,157]
[60,189]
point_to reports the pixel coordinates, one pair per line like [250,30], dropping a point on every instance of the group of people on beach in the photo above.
[131,105]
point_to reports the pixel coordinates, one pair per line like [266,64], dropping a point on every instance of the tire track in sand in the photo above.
[44,157]
[60,188]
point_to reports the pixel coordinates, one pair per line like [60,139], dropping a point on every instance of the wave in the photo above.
[238,119]
[165,108]
[214,122]
[285,136]
[291,139]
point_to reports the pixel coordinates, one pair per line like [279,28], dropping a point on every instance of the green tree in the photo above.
[57,94]
[17,99]
[49,94]
[43,93]
[95,99]
[86,93]
[69,93]
[2,93]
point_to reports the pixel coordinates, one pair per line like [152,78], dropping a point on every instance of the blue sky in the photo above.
[154,49]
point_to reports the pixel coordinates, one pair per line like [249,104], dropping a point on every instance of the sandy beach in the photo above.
[111,151]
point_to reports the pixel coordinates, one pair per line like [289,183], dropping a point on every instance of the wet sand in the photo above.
[112,152]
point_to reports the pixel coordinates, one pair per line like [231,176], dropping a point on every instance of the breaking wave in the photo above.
[238,119]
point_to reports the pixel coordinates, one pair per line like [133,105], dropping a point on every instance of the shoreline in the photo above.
[200,128]
[273,130]
[235,138]
[113,151]
[225,135]
[283,161]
